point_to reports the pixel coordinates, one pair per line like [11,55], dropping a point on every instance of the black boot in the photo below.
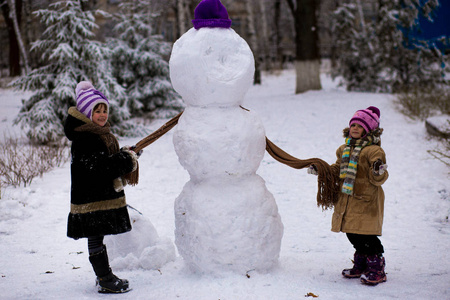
[107,281]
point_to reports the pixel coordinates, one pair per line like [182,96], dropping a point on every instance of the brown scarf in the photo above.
[328,183]
[105,134]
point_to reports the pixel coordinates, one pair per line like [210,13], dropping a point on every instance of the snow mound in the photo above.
[141,247]
[439,125]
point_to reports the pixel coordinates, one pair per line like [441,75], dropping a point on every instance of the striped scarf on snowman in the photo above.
[349,162]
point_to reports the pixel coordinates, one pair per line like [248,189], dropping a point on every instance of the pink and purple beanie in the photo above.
[211,13]
[368,118]
[88,97]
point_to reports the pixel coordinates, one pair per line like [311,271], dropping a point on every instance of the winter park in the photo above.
[201,163]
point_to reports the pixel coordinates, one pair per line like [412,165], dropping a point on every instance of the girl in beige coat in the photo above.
[361,166]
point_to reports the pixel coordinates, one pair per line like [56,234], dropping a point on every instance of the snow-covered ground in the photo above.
[38,261]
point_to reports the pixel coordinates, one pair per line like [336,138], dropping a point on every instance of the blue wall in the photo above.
[439,27]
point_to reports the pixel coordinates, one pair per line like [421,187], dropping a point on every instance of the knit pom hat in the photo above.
[368,118]
[88,97]
[211,13]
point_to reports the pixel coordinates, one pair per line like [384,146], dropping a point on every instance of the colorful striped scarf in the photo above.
[349,162]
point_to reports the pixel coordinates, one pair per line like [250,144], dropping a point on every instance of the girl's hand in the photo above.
[137,153]
[132,148]
[312,170]
[379,168]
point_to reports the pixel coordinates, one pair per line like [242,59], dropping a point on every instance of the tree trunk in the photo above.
[334,53]
[15,16]
[308,75]
[30,33]
[363,23]
[307,61]
[276,37]
[264,47]
[253,40]
[14,54]
[181,17]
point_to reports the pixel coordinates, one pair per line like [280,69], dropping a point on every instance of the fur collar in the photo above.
[73,111]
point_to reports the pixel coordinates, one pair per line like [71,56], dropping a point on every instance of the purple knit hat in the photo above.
[211,13]
[88,97]
[368,118]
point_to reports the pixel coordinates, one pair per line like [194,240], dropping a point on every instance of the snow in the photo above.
[205,63]
[38,261]
[225,217]
[441,123]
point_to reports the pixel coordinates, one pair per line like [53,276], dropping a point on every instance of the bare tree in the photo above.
[253,41]
[362,23]
[264,40]
[307,60]
[14,54]
[181,10]
[15,22]
[276,36]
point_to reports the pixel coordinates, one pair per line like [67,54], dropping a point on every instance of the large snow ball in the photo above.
[142,247]
[211,66]
[217,141]
[228,225]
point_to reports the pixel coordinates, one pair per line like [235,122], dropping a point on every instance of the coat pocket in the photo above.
[365,203]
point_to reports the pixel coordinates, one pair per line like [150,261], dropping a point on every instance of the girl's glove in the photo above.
[137,153]
[312,170]
[379,168]
[131,148]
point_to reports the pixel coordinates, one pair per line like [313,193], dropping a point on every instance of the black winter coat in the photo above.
[98,205]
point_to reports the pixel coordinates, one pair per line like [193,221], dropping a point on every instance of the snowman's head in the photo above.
[211,65]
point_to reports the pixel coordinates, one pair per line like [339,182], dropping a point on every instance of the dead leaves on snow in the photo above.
[311,295]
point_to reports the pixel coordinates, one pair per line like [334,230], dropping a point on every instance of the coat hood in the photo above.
[74,120]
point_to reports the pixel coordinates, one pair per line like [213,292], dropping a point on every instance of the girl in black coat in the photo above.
[98,205]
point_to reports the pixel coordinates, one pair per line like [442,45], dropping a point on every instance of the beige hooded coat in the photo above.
[362,212]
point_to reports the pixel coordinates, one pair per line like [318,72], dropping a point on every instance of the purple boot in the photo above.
[359,266]
[375,270]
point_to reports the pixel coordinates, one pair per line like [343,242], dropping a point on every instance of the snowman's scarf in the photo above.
[328,183]
[157,134]
[328,188]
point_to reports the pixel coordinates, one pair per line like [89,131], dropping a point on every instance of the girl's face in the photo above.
[356,131]
[100,115]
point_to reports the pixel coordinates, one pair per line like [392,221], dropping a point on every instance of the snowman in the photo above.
[225,218]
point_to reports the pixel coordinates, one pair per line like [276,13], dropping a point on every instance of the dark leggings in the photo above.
[95,244]
[366,244]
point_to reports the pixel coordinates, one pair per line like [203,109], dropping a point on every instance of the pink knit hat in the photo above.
[368,118]
[88,97]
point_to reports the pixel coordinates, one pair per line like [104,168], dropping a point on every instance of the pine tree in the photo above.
[138,62]
[69,55]
[385,57]
[358,63]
